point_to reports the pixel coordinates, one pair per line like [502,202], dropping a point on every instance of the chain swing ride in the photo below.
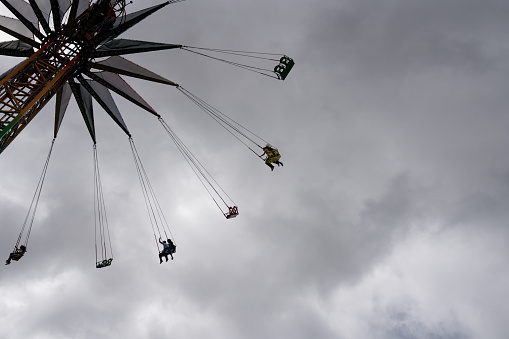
[71,49]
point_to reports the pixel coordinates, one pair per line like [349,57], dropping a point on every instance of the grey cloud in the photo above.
[392,125]
[410,37]
[401,321]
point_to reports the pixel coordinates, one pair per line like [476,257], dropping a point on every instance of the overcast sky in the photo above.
[388,219]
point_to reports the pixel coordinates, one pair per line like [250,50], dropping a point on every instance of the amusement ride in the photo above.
[71,49]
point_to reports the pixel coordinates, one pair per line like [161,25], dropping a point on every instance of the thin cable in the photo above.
[217,115]
[151,193]
[101,216]
[200,171]
[156,215]
[217,119]
[162,218]
[230,51]
[156,203]
[29,219]
[96,212]
[144,190]
[224,118]
[195,159]
[226,122]
[189,161]
[266,72]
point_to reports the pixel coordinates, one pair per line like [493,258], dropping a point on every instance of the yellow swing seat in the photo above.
[272,156]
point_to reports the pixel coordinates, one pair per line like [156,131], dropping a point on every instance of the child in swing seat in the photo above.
[16,254]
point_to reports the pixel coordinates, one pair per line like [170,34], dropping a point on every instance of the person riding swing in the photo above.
[16,254]
[273,156]
[168,249]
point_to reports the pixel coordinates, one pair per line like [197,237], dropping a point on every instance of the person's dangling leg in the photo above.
[8,261]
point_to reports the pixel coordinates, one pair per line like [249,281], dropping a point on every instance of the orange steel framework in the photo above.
[31,85]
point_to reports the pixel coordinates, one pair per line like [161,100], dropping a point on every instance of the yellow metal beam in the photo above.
[32,84]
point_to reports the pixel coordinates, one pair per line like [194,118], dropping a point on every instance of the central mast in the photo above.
[33,83]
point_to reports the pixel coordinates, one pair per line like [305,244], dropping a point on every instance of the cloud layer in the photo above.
[388,219]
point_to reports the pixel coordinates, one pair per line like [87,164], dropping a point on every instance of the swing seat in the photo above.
[232,212]
[272,156]
[17,256]
[104,263]
[273,159]
[284,67]
[171,250]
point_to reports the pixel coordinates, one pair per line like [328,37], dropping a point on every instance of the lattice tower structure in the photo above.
[33,83]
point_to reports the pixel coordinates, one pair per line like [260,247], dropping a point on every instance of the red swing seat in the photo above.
[232,212]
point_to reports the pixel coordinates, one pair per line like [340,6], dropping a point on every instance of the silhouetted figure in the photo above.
[168,249]
[16,254]
[273,156]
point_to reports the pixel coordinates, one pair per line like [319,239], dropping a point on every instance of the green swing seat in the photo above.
[284,67]
[104,263]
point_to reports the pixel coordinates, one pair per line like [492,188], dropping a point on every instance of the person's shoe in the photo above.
[7,262]
[160,261]
[282,164]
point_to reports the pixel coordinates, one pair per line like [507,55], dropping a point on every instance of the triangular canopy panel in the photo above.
[64,98]
[82,6]
[111,107]
[89,112]
[134,70]
[122,24]
[125,46]
[63,6]
[15,25]
[116,81]
[16,48]
[84,101]
[25,10]
[131,16]
[45,7]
